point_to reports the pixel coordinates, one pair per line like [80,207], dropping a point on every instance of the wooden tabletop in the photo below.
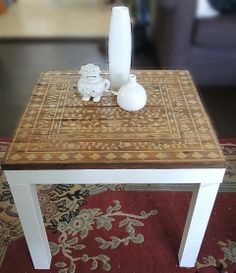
[59,130]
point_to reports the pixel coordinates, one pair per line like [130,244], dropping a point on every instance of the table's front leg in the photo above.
[28,209]
[202,202]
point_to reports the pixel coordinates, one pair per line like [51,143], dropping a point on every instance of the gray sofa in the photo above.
[207,47]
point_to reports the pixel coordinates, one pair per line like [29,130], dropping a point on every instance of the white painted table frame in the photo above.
[206,180]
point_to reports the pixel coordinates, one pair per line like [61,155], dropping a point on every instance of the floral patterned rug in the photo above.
[120,228]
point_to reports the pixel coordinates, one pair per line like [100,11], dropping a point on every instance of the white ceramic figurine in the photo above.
[91,84]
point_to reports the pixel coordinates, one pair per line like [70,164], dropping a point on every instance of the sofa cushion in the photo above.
[218,32]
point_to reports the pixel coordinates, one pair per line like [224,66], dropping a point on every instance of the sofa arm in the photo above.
[174,32]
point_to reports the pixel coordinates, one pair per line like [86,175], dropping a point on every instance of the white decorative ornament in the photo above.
[119,46]
[91,84]
[132,96]
[204,9]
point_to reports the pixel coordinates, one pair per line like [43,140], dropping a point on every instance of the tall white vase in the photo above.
[119,46]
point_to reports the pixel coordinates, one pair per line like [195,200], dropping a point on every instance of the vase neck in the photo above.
[119,10]
[132,79]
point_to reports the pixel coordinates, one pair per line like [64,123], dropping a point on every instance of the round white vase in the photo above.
[132,96]
[119,46]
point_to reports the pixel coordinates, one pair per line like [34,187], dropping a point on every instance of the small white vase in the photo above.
[119,46]
[132,96]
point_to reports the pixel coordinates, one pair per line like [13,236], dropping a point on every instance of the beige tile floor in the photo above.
[55,19]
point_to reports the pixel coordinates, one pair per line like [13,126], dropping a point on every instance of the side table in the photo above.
[62,139]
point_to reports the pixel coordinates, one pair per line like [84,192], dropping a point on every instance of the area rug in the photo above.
[120,228]
[33,19]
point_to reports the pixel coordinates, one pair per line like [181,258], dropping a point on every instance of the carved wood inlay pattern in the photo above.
[58,128]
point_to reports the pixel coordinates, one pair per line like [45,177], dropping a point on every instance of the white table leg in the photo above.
[28,208]
[202,202]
